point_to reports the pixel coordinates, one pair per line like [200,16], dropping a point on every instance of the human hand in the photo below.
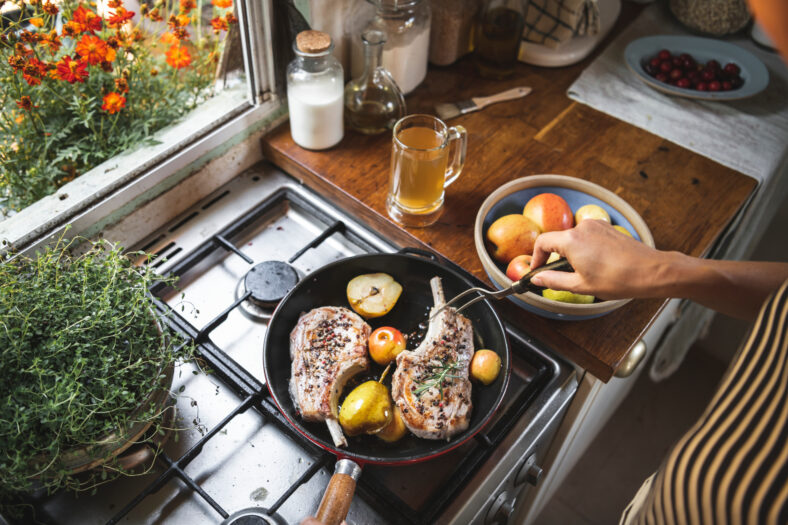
[607,263]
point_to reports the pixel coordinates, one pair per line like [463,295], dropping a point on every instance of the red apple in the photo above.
[518,267]
[550,212]
[510,236]
[385,343]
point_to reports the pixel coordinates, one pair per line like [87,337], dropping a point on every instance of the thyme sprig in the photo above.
[438,375]
[80,352]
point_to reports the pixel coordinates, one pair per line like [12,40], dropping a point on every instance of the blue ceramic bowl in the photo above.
[753,72]
[511,198]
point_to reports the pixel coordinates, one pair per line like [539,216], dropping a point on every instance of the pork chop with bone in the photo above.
[431,386]
[328,346]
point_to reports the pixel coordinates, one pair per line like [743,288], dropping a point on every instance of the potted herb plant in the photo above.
[86,367]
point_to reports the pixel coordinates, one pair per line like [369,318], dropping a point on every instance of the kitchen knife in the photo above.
[447,111]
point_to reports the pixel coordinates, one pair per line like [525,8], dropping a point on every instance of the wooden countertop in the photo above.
[686,200]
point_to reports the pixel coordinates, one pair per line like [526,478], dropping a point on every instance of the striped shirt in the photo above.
[731,467]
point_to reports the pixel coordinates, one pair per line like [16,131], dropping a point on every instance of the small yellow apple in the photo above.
[385,343]
[485,366]
[622,230]
[396,428]
[518,267]
[591,211]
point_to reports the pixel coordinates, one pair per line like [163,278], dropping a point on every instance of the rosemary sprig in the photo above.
[439,374]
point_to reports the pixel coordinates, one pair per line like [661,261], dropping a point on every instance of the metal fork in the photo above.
[520,286]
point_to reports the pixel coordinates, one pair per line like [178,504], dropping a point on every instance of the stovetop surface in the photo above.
[232,449]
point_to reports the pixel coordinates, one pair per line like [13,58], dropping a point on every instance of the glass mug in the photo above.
[426,157]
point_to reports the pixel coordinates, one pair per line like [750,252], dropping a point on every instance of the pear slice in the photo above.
[373,294]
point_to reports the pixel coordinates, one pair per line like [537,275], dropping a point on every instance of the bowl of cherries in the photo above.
[696,67]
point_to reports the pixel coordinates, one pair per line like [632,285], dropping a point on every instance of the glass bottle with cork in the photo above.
[315,86]
[497,37]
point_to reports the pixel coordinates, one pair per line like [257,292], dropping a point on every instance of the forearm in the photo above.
[735,288]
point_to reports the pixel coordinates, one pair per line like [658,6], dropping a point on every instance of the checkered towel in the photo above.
[553,22]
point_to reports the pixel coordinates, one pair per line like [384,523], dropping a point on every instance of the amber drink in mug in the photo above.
[426,157]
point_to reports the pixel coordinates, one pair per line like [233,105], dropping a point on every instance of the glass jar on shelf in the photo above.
[315,87]
[497,36]
[406,24]
[373,102]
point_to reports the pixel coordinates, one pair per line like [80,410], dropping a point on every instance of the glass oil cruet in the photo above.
[373,102]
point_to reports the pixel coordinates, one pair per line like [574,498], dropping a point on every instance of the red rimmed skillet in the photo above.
[327,287]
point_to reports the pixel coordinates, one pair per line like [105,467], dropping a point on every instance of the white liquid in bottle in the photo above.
[316,110]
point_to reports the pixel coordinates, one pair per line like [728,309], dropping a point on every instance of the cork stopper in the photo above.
[312,41]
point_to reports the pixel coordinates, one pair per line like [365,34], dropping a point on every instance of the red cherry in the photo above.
[685,56]
[707,75]
[727,85]
[683,83]
[688,63]
[702,86]
[662,77]
[676,74]
[732,69]
[713,65]
[666,66]
[737,82]
[655,62]
[664,54]
[715,85]
[676,61]
[694,76]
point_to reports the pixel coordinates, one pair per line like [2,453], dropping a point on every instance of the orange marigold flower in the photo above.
[106,66]
[178,56]
[154,15]
[25,103]
[222,4]
[71,29]
[172,22]
[122,85]
[154,72]
[113,42]
[29,37]
[88,20]
[230,18]
[72,70]
[22,50]
[180,33]
[114,4]
[113,102]
[187,5]
[50,8]
[120,17]
[16,62]
[33,71]
[169,38]
[51,41]
[137,35]
[93,49]
[143,9]
[219,24]
[183,20]
[37,21]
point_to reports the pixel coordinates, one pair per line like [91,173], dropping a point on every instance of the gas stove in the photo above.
[236,253]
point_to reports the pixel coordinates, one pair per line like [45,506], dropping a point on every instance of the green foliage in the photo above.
[80,354]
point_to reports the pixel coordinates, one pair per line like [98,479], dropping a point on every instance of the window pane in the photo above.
[81,82]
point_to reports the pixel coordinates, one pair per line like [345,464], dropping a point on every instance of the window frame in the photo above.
[140,174]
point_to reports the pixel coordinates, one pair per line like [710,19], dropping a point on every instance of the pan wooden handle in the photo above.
[339,493]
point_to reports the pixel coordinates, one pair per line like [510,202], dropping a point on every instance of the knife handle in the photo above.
[509,94]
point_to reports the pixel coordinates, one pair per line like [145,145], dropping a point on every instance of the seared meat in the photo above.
[328,346]
[431,385]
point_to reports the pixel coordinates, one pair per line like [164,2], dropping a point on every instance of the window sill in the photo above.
[139,175]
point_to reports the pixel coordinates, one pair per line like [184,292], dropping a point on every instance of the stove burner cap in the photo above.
[254,516]
[270,281]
